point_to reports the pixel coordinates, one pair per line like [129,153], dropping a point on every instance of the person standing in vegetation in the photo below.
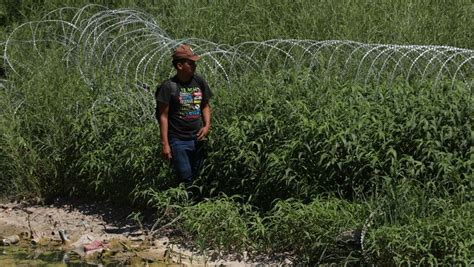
[184,115]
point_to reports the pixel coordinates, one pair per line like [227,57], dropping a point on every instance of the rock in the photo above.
[9,240]
[350,237]
[162,242]
[153,254]
[140,238]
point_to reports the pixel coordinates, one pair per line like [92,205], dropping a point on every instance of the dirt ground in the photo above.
[98,232]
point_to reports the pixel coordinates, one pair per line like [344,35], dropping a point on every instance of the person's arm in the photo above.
[163,119]
[206,119]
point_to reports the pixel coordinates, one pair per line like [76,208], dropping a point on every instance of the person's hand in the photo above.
[203,132]
[166,153]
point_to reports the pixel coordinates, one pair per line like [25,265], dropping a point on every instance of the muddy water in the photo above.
[24,256]
[20,256]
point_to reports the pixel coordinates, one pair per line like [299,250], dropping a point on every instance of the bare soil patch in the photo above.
[96,232]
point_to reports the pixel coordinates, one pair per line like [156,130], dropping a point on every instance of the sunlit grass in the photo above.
[293,162]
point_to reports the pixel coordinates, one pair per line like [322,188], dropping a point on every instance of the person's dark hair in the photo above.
[180,60]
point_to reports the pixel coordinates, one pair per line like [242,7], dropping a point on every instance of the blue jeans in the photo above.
[187,158]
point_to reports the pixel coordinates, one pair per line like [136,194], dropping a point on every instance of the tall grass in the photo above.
[337,138]
[397,22]
[302,160]
[40,114]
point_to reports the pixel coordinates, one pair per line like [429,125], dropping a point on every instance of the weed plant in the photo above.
[404,151]
[396,22]
[294,159]
[221,223]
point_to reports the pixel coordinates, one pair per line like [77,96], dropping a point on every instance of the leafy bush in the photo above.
[444,238]
[283,140]
[221,223]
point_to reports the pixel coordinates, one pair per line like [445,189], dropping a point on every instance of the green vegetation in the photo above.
[225,22]
[294,161]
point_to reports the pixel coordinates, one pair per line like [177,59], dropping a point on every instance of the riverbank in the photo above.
[96,234]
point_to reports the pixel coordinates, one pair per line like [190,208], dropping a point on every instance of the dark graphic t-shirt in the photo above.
[184,117]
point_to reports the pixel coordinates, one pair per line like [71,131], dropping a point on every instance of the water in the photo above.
[21,256]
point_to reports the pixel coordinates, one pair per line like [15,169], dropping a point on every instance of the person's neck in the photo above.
[183,78]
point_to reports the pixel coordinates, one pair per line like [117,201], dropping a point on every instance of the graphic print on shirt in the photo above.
[190,100]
